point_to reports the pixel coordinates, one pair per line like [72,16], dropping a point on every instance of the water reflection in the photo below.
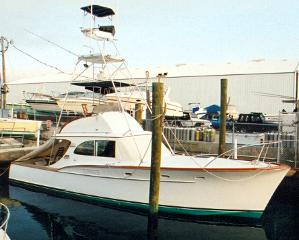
[36,215]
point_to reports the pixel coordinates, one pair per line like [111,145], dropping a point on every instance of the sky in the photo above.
[153,33]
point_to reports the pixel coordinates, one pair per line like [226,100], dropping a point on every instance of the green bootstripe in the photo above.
[140,206]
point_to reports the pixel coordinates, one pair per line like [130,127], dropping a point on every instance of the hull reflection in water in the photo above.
[60,218]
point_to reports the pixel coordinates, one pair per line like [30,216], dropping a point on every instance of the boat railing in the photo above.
[13,132]
[262,152]
[280,147]
[4,217]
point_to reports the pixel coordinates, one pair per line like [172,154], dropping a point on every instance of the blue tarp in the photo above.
[213,108]
[195,109]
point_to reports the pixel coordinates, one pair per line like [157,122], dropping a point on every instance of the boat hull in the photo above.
[235,192]
[78,105]
[50,106]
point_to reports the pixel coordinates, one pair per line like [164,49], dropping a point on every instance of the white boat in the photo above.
[107,158]
[42,102]
[4,217]
[129,99]
[81,102]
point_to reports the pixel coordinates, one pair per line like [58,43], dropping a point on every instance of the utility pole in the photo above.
[297,92]
[157,117]
[4,90]
[223,106]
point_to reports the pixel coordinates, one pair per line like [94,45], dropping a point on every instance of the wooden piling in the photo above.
[157,116]
[223,116]
[138,112]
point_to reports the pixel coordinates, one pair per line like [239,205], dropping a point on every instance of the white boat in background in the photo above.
[42,102]
[126,95]
[111,150]
[129,99]
[4,217]
[79,102]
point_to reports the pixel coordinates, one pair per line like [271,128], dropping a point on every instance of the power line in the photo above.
[46,64]
[55,44]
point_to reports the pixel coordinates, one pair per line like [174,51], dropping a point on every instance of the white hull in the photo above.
[47,106]
[3,235]
[235,190]
[78,105]
[129,100]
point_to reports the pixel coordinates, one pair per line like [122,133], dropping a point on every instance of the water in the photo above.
[36,215]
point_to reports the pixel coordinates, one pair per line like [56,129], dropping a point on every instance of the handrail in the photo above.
[5,214]
[245,146]
[19,131]
[14,128]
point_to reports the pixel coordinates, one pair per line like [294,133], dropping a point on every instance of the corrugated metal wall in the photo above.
[242,90]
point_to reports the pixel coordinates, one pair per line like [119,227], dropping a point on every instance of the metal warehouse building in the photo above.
[258,85]
[252,86]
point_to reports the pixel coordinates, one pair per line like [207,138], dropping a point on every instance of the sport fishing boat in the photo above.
[107,158]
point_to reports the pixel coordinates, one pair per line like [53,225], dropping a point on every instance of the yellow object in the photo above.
[19,125]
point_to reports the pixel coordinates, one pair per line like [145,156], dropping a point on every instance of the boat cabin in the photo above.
[107,138]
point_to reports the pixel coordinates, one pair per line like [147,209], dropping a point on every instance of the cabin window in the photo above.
[85,148]
[105,148]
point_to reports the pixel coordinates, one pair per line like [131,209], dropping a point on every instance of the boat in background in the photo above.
[126,95]
[129,99]
[79,102]
[44,107]
[41,102]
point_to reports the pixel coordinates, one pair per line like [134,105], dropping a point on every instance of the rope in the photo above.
[156,117]
[6,169]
